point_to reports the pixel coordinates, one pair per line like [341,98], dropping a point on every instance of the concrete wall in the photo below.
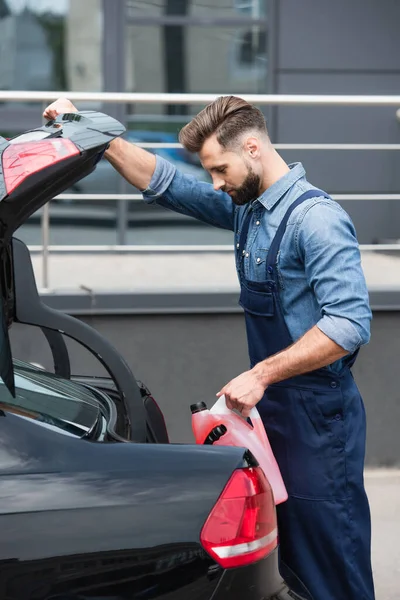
[187,358]
[84,37]
[342,48]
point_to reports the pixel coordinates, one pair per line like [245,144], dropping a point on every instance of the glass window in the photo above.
[51,45]
[209,9]
[190,46]
[192,59]
[194,46]
[251,8]
[196,59]
[51,400]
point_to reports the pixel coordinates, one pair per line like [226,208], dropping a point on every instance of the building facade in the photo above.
[225,46]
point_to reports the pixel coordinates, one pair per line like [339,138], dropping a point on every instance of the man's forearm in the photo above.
[134,163]
[313,351]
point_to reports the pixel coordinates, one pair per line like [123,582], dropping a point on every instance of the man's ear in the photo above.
[252,147]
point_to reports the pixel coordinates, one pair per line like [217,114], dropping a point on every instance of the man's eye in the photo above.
[221,171]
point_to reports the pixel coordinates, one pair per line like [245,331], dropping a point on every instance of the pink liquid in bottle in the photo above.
[224,427]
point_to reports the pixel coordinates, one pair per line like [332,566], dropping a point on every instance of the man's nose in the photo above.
[218,183]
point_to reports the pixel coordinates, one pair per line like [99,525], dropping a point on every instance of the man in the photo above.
[306,308]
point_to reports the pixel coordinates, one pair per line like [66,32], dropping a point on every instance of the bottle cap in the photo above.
[198,407]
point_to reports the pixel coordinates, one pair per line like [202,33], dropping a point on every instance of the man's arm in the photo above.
[134,163]
[313,351]
[160,181]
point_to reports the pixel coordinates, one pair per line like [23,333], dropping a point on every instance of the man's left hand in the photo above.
[243,392]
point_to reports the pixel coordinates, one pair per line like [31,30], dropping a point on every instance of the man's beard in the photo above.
[248,191]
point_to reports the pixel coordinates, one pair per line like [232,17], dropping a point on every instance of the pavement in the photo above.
[383,489]
[175,271]
[154,271]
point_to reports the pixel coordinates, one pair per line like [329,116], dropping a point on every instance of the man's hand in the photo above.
[313,351]
[243,392]
[59,107]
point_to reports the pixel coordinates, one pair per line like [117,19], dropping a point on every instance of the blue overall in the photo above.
[316,426]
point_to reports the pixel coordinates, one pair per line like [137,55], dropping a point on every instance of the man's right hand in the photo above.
[59,107]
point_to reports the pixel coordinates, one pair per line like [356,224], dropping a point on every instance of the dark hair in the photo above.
[228,117]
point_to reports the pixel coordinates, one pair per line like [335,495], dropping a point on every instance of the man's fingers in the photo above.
[234,403]
[60,106]
[229,404]
[49,115]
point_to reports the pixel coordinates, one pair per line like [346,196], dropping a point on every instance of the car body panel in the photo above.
[87,512]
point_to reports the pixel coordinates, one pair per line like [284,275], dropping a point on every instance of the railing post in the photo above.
[114,12]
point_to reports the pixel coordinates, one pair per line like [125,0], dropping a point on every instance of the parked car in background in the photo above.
[106,180]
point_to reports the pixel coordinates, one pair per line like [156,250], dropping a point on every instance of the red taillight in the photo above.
[22,160]
[242,528]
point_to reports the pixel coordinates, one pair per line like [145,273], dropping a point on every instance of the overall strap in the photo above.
[245,230]
[276,242]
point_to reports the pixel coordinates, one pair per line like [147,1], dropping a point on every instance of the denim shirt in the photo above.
[319,265]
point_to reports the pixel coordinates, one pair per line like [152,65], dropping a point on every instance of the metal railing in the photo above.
[200,99]
[260,99]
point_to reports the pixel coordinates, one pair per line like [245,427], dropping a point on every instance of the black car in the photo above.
[94,501]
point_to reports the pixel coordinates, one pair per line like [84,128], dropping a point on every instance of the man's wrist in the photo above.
[262,372]
[110,147]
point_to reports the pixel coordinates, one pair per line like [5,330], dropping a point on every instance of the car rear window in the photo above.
[51,400]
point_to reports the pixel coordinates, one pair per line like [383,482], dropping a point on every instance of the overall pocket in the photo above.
[307,434]
[257,301]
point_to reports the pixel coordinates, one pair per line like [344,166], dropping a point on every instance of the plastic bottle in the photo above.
[224,427]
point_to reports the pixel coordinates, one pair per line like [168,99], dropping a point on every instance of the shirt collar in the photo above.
[274,193]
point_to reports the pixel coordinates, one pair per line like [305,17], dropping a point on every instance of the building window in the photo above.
[51,45]
[251,8]
[195,46]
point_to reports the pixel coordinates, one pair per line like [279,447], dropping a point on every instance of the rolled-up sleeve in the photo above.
[189,196]
[327,243]
[161,180]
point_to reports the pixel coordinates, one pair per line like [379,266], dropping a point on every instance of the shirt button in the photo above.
[244,252]
[338,417]
[257,222]
[238,246]
[258,260]
[270,270]
[334,384]
[247,255]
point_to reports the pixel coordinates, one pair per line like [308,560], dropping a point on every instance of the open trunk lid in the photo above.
[35,167]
